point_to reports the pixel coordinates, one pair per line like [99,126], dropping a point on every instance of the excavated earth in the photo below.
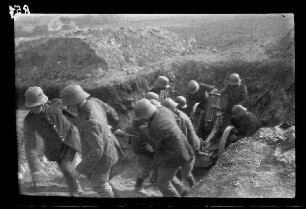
[117,67]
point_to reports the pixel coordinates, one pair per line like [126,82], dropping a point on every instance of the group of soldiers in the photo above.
[162,134]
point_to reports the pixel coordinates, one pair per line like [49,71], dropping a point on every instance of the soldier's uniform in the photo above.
[184,110]
[61,139]
[142,146]
[235,95]
[201,97]
[112,116]
[188,129]
[162,93]
[172,151]
[246,125]
[99,146]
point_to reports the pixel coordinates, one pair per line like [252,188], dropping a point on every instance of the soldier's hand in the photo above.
[214,91]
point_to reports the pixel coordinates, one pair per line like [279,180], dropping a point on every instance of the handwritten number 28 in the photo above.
[18,10]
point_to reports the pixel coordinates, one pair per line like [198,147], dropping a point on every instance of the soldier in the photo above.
[198,93]
[236,94]
[152,95]
[99,146]
[246,123]
[146,164]
[142,146]
[161,87]
[187,128]
[172,150]
[185,124]
[60,137]
[182,106]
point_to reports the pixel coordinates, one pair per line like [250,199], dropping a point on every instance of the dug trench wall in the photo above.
[272,102]
[271,87]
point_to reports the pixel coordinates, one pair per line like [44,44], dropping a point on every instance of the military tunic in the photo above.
[188,129]
[246,125]
[162,93]
[171,145]
[235,95]
[200,96]
[55,130]
[99,151]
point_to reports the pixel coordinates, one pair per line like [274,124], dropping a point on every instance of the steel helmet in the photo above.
[143,109]
[73,94]
[193,86]
[234,79]
[152,95]
[162,82]
[181,101]
[155,102]
[34,96]
[238,110]
[169,103]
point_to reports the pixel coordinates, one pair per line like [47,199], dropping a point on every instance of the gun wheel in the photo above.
[224,139]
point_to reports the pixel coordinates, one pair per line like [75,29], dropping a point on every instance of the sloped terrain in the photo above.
[261,166]
[92,54]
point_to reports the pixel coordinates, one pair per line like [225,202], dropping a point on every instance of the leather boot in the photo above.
[190,180]
[139,182]
[138,187]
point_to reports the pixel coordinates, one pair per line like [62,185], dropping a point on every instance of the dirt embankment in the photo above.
[91,55]
[259,166]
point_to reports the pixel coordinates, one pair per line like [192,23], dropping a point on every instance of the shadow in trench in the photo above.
[200,172]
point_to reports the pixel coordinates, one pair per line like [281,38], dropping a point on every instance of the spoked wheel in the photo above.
[224,139]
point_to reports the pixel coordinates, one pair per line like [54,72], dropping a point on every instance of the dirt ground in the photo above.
[261,166]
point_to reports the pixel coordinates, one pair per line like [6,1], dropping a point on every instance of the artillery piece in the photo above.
[215,134]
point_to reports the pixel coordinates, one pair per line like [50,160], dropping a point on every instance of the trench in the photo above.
[268,100]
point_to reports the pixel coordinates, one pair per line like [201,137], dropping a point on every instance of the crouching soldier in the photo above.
[236,94]
[142,146]
[99,145]
[246,123]
[172,150]
[60,137]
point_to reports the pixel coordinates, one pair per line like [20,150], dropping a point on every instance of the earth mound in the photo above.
[89,54]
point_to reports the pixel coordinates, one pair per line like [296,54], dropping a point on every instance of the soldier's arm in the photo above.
[147,148]
[244,96]
[154,89]
[192,136]
[190,103]
[31,147]
[141,146]
[134,127]
[112,115]
[93,137]
[224,90]
[253,125]
[243,127]
[209,88]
